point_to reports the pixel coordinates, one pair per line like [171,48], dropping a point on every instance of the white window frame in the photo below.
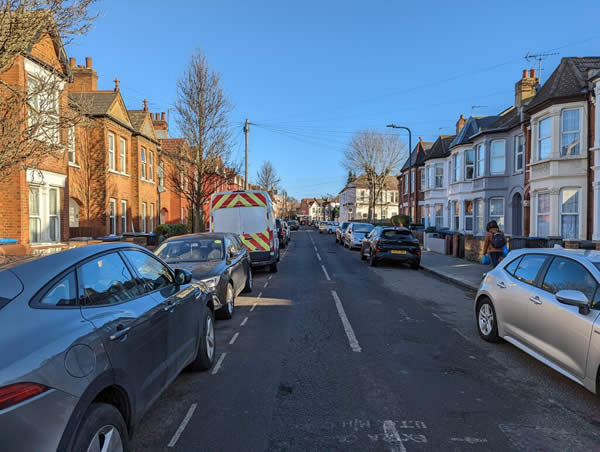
[42,103]
[480,160]
[455,215]
[111,151]
[478,216]
[123,155]
[519,151]
[36,217]
[497,217]
[143,217]
[455,176]
[539,214]
[54,217]
[71,145]
[151,165]
[123,216]
[469,215]
[112,216]
[151,218]
[496,157]
[143,160]
[470,165]
[571,214]
[541,139]
[182,215]
[422,175]
[161,175]
[405,183]
[570,132]
[439,178]
[438,211]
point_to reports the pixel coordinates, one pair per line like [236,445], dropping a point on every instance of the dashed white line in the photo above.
[461,334]
[219,362]
[244,321]
[326,274]
[392,436]
[266,284]
[316,250]
[318,256]
[233,339]
[252,308]
[436,316]
[183,424]
[354,345]
[270,278]
[259,295]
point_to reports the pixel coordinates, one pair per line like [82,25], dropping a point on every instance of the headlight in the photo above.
[211,283]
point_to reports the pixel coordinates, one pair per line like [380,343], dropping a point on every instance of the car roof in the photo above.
[199,236]
[592,256]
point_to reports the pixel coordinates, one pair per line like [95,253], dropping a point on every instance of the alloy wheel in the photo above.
[210,338]
[486,319]
[230,299]
[106,439]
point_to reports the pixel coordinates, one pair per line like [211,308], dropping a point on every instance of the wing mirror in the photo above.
[574,298]
[183,276]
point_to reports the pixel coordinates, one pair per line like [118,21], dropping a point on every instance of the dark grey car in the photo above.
[90,337]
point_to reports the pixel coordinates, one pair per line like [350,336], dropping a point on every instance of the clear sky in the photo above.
[311,73]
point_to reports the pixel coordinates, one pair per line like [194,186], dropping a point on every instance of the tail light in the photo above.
[419,252]
[377,246]
[19,392]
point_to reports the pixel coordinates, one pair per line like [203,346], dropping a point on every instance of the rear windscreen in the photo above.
[396,235]
[240,220]
[362,227]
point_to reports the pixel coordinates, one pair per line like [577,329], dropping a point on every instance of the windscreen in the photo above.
[240,220]
[344,225]
[191,251]
[364,228]
[394,234]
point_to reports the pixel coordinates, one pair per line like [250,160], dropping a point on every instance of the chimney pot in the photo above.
[146,105]
[88,62]
[80,66]
[162,116]
[524,73]
[117,89]
[72,62]
[532,73]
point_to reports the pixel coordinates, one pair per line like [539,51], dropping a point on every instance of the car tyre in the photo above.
[249,281]
[415,266]
[273,268]
[102,428]
[487,324]
[205,357]
[372,260]
[227,311]
[362,254]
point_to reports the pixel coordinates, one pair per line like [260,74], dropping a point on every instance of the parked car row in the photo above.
[381,243]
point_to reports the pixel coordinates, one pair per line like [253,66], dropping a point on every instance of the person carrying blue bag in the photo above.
[494,244]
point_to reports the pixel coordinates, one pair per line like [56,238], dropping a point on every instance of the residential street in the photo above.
[405,372]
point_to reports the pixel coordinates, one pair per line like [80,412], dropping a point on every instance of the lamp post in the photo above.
[394,126]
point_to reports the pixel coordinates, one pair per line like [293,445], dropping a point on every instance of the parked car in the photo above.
[391,244]
[288,231]
[218,260]
[323,226]
[90,338]
[331,227]
[249,214]
[546,302]
[294,225]
[281,233]
[339,232]
[355,233]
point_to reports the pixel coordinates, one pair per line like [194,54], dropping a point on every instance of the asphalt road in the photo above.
[330,354]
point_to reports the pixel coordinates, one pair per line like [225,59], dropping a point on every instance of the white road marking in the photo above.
[259,295]
[219,362]
[233,339]
[469,440]
[354,345]
[436,316]
[392,436]
[266,284]
[270,278]
[244,321]
[461,334]
[252,308]
[318,256]
[326,274]
[183,424]
[316,250]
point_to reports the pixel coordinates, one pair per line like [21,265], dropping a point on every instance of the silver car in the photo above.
[355,233]
[90,337]
[546,302]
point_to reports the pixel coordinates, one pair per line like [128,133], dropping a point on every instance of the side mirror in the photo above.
[574,298]
[183,276]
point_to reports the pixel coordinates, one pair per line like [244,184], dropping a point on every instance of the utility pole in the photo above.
[410,169]
[246,130]
[539,57]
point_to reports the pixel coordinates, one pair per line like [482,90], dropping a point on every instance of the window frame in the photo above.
[112,216]
[540,139]
[123,155]
[151,217]
[35,302]
[547,266]
[138,276]
[471,165]
[143,162]
[440,216]
[478,213]
[496,217]
[538,213]
[439,166]
[519,151]
[569,214]
[542,270]
[456,215]
[123,215]
[143,216]
[54,217]
[570,132]
[422,178]
[71,145]
[467,215]
[111,152]
[151,166]
[497,158]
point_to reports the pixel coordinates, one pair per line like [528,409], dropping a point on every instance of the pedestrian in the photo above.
[493,246]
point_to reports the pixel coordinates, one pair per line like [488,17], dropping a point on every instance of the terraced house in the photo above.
[412,191]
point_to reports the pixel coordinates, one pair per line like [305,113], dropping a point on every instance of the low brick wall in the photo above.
[419,235]
[473,248]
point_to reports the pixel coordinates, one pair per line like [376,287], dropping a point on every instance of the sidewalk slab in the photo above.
[458,271]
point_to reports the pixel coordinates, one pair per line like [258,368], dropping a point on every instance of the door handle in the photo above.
[535,299]
[501,284]
[121,331]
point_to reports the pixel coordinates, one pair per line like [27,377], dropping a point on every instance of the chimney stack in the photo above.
[88,62]
[72,62]
[85,79]
[117,89]
[162,116]
[525,88]
[160,125]
[460,123]
[146,105]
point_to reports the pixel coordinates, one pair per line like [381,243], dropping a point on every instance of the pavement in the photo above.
[459,271]
[330,354]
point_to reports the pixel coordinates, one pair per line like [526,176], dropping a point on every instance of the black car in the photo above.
[391,244]
[294,226]
[281,234]
[219,260]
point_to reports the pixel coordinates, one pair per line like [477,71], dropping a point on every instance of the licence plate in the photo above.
[398,251]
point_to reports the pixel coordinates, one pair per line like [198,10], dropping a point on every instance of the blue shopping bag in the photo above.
[505,251]
[486,260]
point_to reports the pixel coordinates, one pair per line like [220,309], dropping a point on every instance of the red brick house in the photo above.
[417,183]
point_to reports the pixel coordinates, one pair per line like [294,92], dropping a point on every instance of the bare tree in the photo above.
[35,118]
[377,156]
[203,164]
[267,178]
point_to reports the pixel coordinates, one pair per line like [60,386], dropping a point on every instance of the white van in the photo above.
[248,213]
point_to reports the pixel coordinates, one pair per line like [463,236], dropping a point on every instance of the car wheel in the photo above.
[102,429]
[249,281]
[205,356]
[336,239]
[226,312]
[372,260]
[273,268]
[487,324]
[415,266]
[362,254]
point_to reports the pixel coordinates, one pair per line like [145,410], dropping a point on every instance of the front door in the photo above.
[132,324]
[517,215]
[559,331]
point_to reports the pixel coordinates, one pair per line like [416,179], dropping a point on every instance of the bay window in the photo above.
[456,162]
[468,215]
[543,214]
[480,160]
[456,215]
[544,138]
[519,152]
[569,132]
[422,178]
[439,216]
[439,175]
[479,210]
[569,213]
[469,164]
[498,157]
[497,211]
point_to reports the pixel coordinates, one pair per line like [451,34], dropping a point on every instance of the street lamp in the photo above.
[394,126]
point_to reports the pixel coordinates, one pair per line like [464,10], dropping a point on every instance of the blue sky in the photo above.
[310,74]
